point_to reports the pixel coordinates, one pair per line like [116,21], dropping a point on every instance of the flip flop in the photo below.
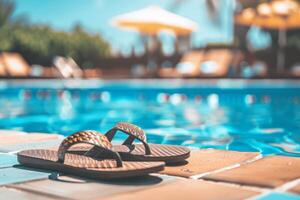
[87,165]
[145,151]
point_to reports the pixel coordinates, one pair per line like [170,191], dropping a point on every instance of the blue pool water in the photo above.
[261,116]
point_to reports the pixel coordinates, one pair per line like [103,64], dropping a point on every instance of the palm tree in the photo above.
[7,8]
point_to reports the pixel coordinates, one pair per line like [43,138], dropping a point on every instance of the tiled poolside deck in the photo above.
[208,174]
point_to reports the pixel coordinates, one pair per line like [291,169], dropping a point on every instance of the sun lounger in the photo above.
[2,68]
[187,67]
[15,65]
[67,67]
[216,63]
[204,63]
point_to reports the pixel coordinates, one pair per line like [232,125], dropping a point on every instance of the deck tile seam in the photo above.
[16,186]
[147,188]
[287,186]
[38,192]
[198,176]
[200,180]
[13,189]
[27,181]
[5,167]
[247,187]
[143,189]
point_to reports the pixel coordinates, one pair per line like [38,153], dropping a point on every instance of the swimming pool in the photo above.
[238,115]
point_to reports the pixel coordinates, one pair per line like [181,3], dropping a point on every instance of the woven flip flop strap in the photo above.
[89,137]
[132,130]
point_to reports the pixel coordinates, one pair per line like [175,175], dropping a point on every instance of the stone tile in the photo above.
[31,145]
[7,160]
[296,189]
[270,171]
[207,160]
[188,189]
[10,193]
[77,188]
[16,175]
[279,196]
[12,139]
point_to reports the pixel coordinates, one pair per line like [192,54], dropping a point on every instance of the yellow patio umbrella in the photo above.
[281,15]
[152,20]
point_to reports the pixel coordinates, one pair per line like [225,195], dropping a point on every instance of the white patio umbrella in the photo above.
[152,20]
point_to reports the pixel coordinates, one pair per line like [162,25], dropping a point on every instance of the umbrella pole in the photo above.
[281,47]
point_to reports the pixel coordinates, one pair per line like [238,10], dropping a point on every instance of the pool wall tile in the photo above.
[207,160]
[269,172]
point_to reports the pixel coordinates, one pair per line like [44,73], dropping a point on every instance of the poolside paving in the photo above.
[213,159]
[10,193]
[53,143]
[207,174]
[270,172]
[13,141]
[188,189]
[66,187]
[20,138]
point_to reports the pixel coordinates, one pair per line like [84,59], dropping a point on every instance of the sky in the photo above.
[95,16]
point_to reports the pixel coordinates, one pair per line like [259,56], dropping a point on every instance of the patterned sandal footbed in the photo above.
[82,165]
[166,153]
[138,152]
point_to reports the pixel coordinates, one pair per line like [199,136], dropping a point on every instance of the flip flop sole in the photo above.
[79,165]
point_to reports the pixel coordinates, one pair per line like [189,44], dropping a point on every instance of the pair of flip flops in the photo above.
[91,154]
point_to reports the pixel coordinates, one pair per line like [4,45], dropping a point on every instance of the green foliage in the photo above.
[40,44]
